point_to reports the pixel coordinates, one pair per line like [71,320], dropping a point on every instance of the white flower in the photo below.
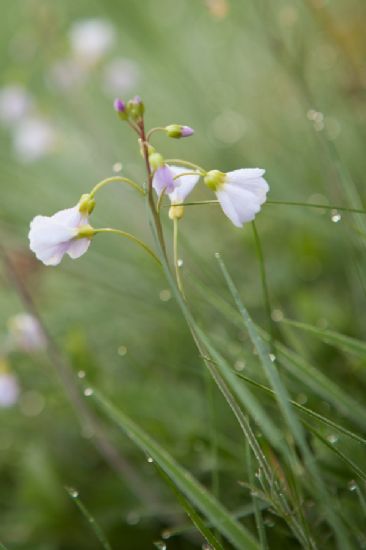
[240,193]
[33,138]
[9,389]
[91,38]
[15,103]
[25,332]
[51,237]
[183,185]
[120,76]
[66,75]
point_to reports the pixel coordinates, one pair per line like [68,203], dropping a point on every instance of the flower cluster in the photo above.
[240,193]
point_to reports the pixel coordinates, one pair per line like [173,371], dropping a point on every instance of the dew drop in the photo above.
[206,546]
[272,357]
[150,460]
[166,534]
[165,295]
[73,492]
[81,374]
[88,392]
[335,216]
[133,518]
[277,315]
[269,522]
[352,485]
[160,544]
[122,350]
[332,438]
[239,365]
[117,167]
[180,262]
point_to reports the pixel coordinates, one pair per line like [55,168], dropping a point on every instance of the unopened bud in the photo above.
[86,204]
[178,131]
[120,108]
[156,161]
[176,212]
[135,108]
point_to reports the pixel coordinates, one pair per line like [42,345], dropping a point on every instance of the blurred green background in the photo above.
[279,85]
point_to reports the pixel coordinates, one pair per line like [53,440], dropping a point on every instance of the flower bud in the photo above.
[120,108]
[214,179]
[176,212]
[178,131]
[135,108]
[156,160]
[86,204]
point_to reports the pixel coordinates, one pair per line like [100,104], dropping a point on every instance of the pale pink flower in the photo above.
[51,237]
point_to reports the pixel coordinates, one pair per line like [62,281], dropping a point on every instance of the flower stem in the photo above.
[153,130]
[131,238]
[175,248]
[188,164]
[265,290]
[113,179]
[188,174]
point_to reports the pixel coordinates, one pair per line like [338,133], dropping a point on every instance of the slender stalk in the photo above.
[187,163]
[175,250]
[262,267]
[153,131]
[188,174]
[113,179]
[131,238]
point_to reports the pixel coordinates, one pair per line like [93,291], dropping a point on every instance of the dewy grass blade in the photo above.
[308,411]
[341,341]
[192,514]
[197,495]
[360,473]
[257,512]
[283,400]
[89,518]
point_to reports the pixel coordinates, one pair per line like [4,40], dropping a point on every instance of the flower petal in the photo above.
[184,184]
[251,180]
[163,180]
[239,205]
[78,247]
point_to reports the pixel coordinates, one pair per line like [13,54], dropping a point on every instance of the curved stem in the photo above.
[153,130]
[113,179]
[188,174]
[188,164]
[131,238]
[160,200]
[175,249]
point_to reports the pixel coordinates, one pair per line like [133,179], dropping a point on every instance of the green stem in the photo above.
[262,267]
[175,247]
[188,174]
[114,179]
[131,238]
[188,164]
[153,130]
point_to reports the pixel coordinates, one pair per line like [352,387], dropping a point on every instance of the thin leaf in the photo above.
[198,496]
[89,518]
[283,400]
[341,341]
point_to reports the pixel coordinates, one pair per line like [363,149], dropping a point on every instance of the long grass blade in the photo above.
[197,495]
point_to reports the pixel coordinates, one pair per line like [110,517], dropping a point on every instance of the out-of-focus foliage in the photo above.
[279,85]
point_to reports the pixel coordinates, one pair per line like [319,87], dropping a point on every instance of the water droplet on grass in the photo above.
[180,262]
[335,216]
[150,460]
[332,438]
[88,392]
[160,544]
[81,374]
[352,485]
[73,492]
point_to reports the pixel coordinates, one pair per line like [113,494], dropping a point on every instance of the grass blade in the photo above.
[197,495]
[89,518]
[283,400]
[341,341]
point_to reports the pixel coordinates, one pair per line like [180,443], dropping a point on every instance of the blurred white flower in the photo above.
[120,76]
[51,237]
[90,39]
[66,74]
[240,193]
[9,389]
[15,103]
[33,138]
[25,333]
